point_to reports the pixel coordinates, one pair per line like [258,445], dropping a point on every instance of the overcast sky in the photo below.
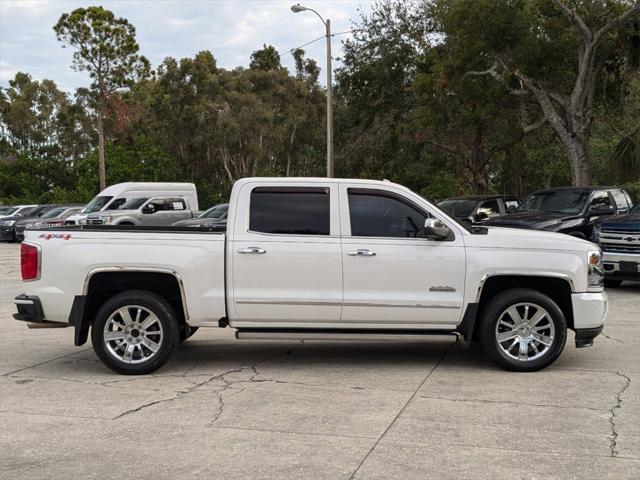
[231,29]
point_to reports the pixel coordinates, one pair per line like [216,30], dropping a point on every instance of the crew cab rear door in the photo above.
[391,276]
[284,257]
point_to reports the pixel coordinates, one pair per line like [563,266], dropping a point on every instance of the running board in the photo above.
[348,335]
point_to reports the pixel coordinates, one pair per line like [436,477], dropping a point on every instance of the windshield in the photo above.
[97,204]
[215,212]
[132,203]
[635,209]
[561,201]
[54,213]
[8,210]
[458,208]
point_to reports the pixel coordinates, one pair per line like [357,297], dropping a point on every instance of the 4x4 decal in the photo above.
[49,236]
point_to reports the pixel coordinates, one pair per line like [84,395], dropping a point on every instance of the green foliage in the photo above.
[265,59]
[105,47]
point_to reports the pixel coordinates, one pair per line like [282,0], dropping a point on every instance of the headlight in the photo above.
[596,272]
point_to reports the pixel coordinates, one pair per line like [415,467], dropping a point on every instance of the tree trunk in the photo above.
[101,167]
[581,173]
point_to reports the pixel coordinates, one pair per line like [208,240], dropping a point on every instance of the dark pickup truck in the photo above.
[570,210]
[619,238]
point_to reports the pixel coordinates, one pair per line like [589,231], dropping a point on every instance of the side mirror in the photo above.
[148,209]
[435,229]
[511,208]
[480,217]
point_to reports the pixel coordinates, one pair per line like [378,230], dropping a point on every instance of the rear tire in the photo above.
[522,330]
[135,332]
[612,283]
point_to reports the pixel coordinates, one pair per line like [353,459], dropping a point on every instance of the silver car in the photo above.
[157,211]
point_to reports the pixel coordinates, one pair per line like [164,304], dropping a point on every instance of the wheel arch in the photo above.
[102,283]
[557,287]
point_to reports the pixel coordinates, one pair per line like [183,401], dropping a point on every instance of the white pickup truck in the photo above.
[325,259]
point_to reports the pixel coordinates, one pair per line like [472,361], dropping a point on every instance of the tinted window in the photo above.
[53,213]
[293,211]
[620,199]
[379,214]
[490,208]
[458,208]
[600,200]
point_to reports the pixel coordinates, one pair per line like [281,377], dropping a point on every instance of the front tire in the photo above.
[135,332]
[523,330]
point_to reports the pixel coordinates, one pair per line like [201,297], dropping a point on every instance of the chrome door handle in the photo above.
[254,250]
[362,253]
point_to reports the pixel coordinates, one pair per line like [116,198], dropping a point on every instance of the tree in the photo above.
[565,93]
[106,48]
[267,58]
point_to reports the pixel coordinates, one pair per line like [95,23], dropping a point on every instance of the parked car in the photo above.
[16,211]
[323,259]
[158,211]
[619,238]
[476,209]
[8,224]
[216,215]
[54,217]
[111,198]
[4,209]
[570,210]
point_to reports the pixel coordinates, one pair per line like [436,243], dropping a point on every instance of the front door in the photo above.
[286,256]
[391,276]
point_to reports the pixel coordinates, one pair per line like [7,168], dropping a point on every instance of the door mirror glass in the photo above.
[479,217]
[435,229]
[600,209]
[511,208]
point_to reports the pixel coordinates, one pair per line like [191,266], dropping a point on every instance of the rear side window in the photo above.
[290,211]
[379,214]
[600,200]
[176,204]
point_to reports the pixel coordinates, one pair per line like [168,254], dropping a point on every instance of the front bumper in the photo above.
[589,310]
[612,266]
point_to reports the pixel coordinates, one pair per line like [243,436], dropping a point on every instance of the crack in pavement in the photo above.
[180,394]
[613,438]
[45,362]
[424,380]
[611,338]
[502,402]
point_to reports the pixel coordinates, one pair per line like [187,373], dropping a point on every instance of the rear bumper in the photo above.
[7,234]
[589,310]
[29,309]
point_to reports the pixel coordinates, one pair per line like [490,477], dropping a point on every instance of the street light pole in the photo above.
[327,23]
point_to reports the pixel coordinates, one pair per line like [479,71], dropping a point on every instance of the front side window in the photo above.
[600,201]
[290,211]
[380,214]
[131,204]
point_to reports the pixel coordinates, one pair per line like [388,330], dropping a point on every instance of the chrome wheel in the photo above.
[133,334]
[525,331]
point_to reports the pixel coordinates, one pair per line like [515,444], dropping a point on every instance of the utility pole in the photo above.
[327,23]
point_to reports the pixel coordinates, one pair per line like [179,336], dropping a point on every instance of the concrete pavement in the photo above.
[225,409]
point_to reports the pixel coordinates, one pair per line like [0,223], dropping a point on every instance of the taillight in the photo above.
[29,262]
